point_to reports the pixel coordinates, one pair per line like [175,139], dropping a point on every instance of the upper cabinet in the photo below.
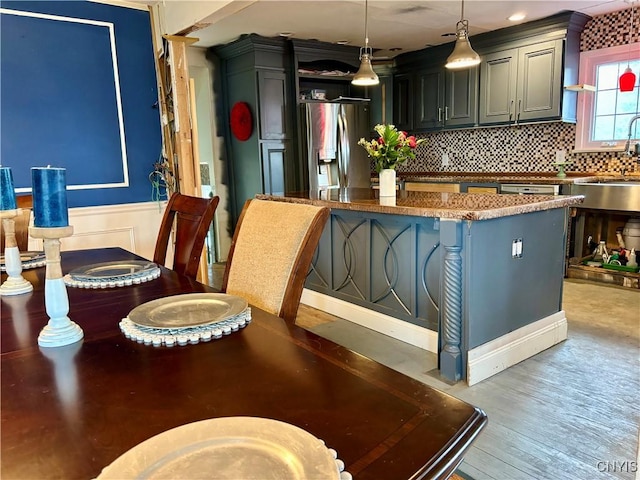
[522,84]
[445,98]
[521,78]
[273,93]
[403,101]
[427,96]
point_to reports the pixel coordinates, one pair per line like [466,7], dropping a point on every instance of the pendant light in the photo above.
[463,56]
[627,80]
[365,75]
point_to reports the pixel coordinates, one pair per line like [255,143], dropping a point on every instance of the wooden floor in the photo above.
[570,412]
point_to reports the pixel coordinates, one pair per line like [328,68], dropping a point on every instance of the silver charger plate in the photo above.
[112,270]
[228,448]
[187,310]
[28,260]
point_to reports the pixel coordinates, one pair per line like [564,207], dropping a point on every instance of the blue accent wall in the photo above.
[79,91]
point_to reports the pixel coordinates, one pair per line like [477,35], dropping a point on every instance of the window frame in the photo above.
[589,61]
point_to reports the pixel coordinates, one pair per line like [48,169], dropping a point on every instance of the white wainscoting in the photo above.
[132,226]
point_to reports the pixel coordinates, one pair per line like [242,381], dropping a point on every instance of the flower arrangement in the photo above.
[392,148]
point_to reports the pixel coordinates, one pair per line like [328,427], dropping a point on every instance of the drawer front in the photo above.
[432,187]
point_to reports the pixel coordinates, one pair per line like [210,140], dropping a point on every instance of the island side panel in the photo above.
[504,293]
[387,263]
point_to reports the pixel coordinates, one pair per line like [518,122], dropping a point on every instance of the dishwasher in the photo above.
[527,189]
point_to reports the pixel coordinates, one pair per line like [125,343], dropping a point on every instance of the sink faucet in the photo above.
[627,150]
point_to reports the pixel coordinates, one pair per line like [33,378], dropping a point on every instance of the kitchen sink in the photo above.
[623,196]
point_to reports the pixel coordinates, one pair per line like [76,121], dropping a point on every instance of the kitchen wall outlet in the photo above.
[445,159]
[516,248]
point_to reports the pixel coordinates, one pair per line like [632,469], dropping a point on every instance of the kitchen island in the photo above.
[476,278]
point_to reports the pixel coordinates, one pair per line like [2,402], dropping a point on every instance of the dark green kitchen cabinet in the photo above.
[274,158]
[445,98]
[381,95]
[522,84]
[521,78]
[274,97]
[429,99]
[257,70]
[403,101]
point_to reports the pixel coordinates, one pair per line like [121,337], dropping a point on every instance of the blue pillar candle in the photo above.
[7,192]
[49,197]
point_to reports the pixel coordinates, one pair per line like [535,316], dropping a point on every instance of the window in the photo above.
[604,115]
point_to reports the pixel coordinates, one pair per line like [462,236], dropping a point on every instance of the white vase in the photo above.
[388,183]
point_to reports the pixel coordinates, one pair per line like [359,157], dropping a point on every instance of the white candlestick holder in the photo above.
[15,284]
[60,330]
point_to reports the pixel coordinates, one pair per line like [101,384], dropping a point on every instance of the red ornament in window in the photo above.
[627,80]
[241,121]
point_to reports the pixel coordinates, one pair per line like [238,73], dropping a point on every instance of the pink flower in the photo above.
[412,141]
[381,141]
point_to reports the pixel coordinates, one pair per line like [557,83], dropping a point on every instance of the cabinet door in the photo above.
[461,97]
[381,105]
[273,102]
[402,101]
[274,163]
[539,81]
[429,99]
[498,87]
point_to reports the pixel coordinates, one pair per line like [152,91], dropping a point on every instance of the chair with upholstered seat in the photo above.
[192,216]
[21,222]
[271,252]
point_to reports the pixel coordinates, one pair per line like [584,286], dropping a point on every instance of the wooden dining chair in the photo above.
[192,217]
[271,252]
[22,222]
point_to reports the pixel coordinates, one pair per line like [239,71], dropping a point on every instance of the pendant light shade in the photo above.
[627,80]
[365,75]
[463,56]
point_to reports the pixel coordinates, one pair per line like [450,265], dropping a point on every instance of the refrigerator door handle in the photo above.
[344,151]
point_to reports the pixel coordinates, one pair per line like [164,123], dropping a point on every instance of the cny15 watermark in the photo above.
[617,466]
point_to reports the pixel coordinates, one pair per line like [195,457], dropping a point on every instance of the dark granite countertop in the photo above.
[462,206]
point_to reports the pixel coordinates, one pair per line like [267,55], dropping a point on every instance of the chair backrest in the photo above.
[192,216]
[21,222]
[271,252]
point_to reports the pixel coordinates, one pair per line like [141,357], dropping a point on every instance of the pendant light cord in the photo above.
[366,25]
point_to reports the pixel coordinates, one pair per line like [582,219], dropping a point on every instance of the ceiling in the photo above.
[395,26]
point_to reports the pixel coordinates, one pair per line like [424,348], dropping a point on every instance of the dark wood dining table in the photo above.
[70,411]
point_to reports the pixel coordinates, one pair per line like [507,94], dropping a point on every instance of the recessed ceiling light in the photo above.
[342,42]
[448,34]
[395,49]
[516,17]
[286,34]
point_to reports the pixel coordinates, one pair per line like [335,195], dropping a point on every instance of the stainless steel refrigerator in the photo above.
[334,158]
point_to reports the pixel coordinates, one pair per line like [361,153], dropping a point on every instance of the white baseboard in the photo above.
[514,347]
[132,226]
[404,331]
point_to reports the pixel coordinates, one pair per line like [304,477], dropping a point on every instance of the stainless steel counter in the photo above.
[617,196]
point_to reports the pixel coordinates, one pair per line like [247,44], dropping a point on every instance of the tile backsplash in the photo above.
[528,148]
